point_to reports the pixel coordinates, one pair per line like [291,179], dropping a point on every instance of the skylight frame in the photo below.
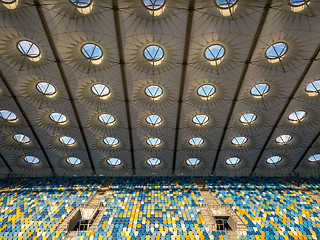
[232,161]
[196,119]
[156,161]
[214,59]
[315,85]
[255,90]
[21,138]
[156,95]
[111,162]
[154,142]
[111,119]
[8,115]
[154,8]
[67,141]
[154,60]
[74,161]
[61,119]
[193,164]
[283,139]
[46,88]
[25,52]
[278,56]
[232,4]
[201,91]
[111,141]
[315,158]
[274,160]
[32,160]
[76,3]
[157,121]
[196,142]
[295,117]
[244,119]
[90,55]
[243,140]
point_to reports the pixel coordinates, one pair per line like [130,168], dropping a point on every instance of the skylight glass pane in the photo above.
[200,119]
[154,142]
[233,161]
[225,3]
[206,90]
[153,120]
[297,116]
[313,87]
[28,48]
[153,4]
[239,141]
[31,159]
[214,52]
[196,141]
[114,161]
[274,159]
[153,91]
[192,161]
[276,50]
[91,51]
[8,115]
[153,161]
[314,158]
[106,118]
[260,89]
[100,89]
[58,117]
[46,88]
[153,53]
[283,139]
[248,118]
[73,160]
[81,3]
[21,138]
[298,2]
[69,141]
[111,141]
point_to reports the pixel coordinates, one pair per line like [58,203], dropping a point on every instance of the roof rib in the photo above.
[123,77]
[64,78]
[243,74]
[6,83]
[183,79]
[304,73]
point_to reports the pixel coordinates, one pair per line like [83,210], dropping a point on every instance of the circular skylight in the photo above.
[58,117]
[100,90]
[107,118]
[153,161]
[313,88]
[206,91]
[114,161]
[226,3]
[297,3]
[31,159]
[91,51]
[276,50]
[154,142]
[153,53]
[111,141]
[248,118]
[28,48]
[8,1]
[8,115]
[46,88]
[82,3]
[73,160]
[314,158]
[214,52]
[233,161]
[192,161]
[20,138]
[196,141]
[200,119]
[68,141]
[154,120]
[153,4]
[239,141]
[297,116]
[283,139]
[260,89]
[154,91]
[274,159]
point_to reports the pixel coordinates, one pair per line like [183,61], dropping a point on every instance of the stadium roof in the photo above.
[155,87]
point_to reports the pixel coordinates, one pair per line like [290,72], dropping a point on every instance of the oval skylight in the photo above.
[233,161]
[8,115]
[100,90]
[192,161]
[154,91]
[313,88]
[153,161]
[28,48]
[107,118]
[214,52]
[154,120]
[31,159]
[297,3]
[92,51]
[114,161]
[153,4]
[68,141]
[73,160]
[283,139]
[10,4]
[274,159]
[153,53]
[82,3]
[196,141]
[200,119]
[58,117]
[111,141]
[226,3]
[239,141]
[314,158]
[297,116]
[206,91]
[154,142]
[259,90]
[20,138]
[248,118]
[276,51]
[46,88]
